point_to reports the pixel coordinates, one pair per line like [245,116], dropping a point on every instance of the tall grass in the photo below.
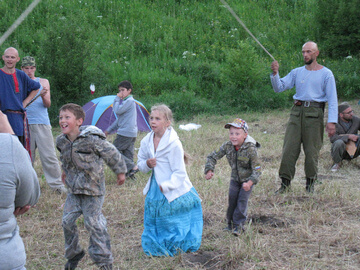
[168,48]
[292,231]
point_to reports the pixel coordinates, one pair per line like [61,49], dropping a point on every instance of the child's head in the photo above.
[125,89]
[238,131]
[71,117]
[160,118]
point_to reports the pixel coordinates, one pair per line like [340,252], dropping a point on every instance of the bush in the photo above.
[184,104]
[183,49]
[339,22]
[246,82]
[347,77]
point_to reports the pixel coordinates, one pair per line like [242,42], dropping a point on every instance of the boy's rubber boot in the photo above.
[310,185]
[285,185]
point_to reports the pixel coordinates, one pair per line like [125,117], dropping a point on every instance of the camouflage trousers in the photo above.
[95,224]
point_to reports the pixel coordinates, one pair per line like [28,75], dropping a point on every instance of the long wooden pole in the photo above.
[18,21]
[244,26]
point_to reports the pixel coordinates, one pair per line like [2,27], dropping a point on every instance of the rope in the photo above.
[244,26]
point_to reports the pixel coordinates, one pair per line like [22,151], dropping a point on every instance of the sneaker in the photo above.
[61,190]
[238,231]
[335,167]
[73,262]
[106,267]
[228,228]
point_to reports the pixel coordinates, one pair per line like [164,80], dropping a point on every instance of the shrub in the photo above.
[246,83]
[338,27]
[184,104]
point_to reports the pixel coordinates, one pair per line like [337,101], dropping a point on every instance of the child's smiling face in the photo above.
[237,136]
[69,124]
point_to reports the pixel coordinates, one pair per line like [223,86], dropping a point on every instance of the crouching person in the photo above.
[82,152]
[346,136]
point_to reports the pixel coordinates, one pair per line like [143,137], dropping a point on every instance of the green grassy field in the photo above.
[293,231]
[191,54]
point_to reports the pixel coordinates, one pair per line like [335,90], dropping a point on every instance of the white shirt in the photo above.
[170,172]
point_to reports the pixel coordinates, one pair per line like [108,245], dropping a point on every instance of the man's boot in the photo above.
[285,185]
[310,185]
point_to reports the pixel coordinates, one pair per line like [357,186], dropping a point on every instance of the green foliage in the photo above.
[185,104]
[339,22]
[65,58]
[347,77]
[245,80]
[192,52]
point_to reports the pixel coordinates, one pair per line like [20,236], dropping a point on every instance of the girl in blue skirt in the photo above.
[173,215]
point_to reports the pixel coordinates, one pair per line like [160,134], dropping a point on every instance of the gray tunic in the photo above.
[19,186]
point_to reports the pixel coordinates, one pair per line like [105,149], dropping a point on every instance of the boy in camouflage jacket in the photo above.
[241,153]
[82,152]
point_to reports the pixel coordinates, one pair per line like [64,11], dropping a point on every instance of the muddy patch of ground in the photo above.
[206,259]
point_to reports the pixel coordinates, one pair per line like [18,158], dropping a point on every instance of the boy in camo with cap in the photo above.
[82,152]
[241,153]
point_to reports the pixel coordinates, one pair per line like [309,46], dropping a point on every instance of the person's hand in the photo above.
[119,95]
[330,129]
[209,175]
[44,91]
[151,162]
[247,185]
[21,210]
[161,189]
[275,67]
[353,137]
[106,133]
[120,179]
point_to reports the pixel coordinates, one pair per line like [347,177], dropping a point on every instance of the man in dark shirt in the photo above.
[346,137]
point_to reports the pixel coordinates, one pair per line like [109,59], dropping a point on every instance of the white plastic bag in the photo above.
[189,126]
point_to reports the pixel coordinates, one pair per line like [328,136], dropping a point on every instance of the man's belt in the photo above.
[309,104]
[12,111]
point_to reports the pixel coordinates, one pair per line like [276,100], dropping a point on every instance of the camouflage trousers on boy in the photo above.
[95,223]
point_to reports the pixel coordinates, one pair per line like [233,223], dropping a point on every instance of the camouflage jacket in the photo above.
[244,163]
[82,161]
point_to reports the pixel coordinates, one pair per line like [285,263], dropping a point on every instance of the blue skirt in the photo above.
[171,228]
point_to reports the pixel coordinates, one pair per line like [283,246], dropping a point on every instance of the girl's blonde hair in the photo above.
[165,110]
